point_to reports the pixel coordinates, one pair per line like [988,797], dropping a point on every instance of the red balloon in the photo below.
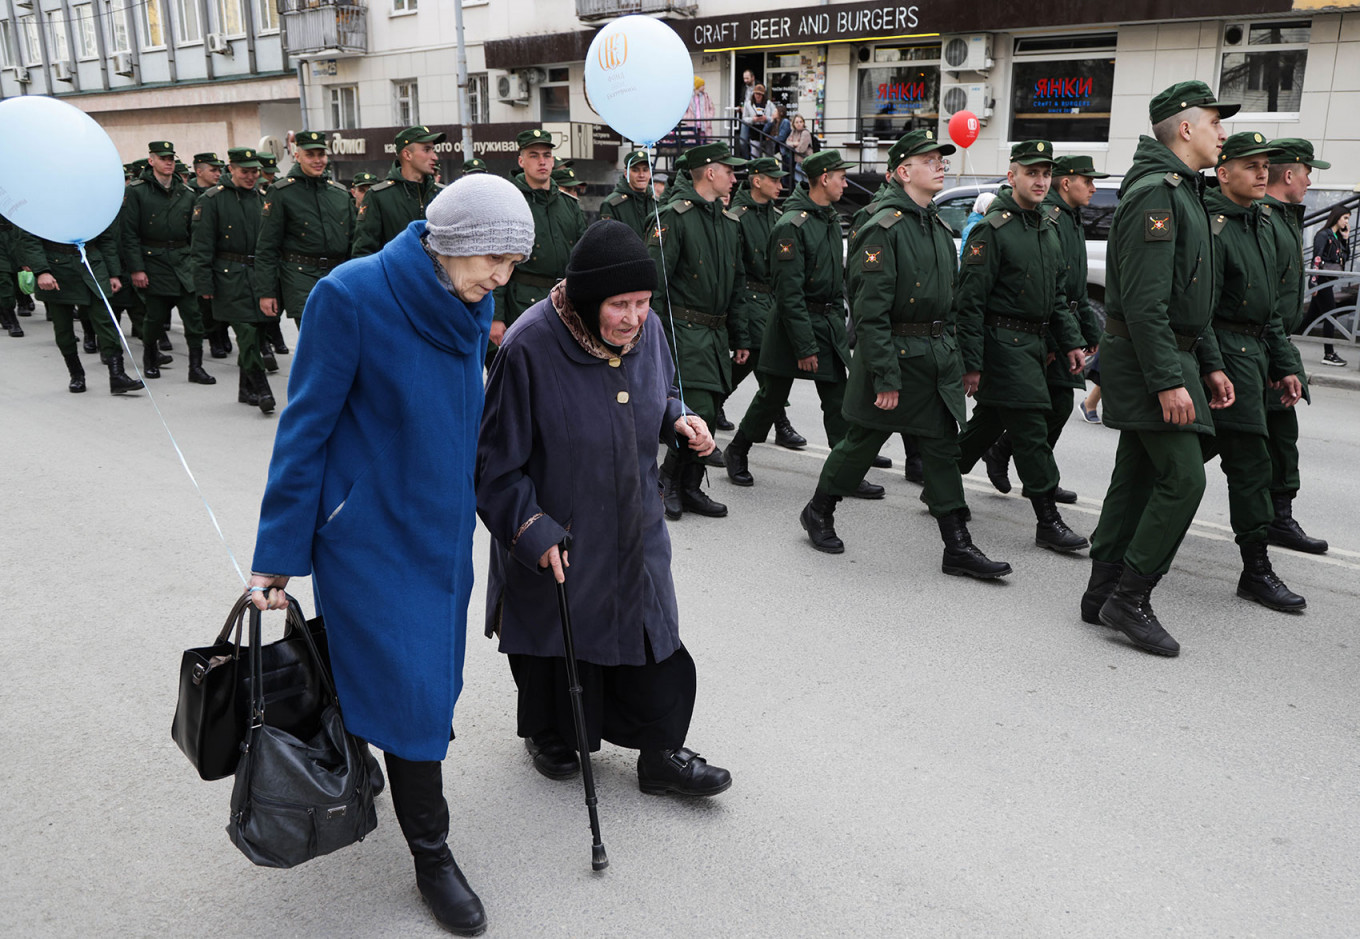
[963,128]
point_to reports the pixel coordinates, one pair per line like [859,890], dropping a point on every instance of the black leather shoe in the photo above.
[692,497]
[867,490]
[25,306]
[1051,531]
[1284,532]
[77,383]
[1064,496]
[785,436]
[1129,610]
[881,462]
[275,331]
[997,459]
[680,772]
[120,382]
[163,359]
[818,520]
[737,467]
[1261,584]
[670,485]
[271,364]
[714,459]
[914,469]
[961,556]
[552,757]
[722,423]
[1104,578]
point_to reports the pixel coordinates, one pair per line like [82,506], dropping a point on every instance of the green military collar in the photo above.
[1005,208]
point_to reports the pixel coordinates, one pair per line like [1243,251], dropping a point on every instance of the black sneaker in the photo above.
[1331,358]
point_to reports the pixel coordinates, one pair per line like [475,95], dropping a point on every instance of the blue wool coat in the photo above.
[568,443]
[370,488]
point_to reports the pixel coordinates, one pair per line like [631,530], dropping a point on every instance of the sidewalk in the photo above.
[1318,374]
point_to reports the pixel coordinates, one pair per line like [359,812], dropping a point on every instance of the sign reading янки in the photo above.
[805,26]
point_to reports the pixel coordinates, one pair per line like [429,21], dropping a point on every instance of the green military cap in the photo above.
[823,161]
[1077,165]
[268,161]
[418,134]
[247,158]
[912,143]
[682,162]
[1245,144]
[209,158]
[181,168]
[130,169]
[534,138]
[766,166]
[566,178]
[474,165]
[364,179]
[161,148]
[1297,150]
[310,140]
[1030,152]
[1183,95]
[635,156]
[705,154]
[140,165]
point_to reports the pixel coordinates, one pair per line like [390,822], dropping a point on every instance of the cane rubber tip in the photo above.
[599,860]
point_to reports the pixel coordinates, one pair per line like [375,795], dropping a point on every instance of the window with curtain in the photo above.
[31,43]
[188,29]
[344,107]
[267,16]
[87,45]
[478,91]
[231,17]
[120,37]
[406,98]
[153,24]
[7,56]
[56,33]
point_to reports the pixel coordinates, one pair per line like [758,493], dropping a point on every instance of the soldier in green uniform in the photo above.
[1012,316]
[474,165]
[698,246]
[306,228]
[359,186]
[569,183]
[683,187]
[226,227]
[11,262]
[1157,357]
[907,375]
[269,168]
[156,225]
[1256,354]
[401,198]
[1290,177]
[632,202]
[558,223]
[805,336]
[207,172]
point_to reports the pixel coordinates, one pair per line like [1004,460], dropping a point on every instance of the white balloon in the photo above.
[639,78]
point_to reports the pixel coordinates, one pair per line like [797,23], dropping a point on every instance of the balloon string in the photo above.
[666,285]
[132,360]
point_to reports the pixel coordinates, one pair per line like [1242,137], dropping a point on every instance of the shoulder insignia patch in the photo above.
[975,252]
[363,208]
[1157,226]
[737,211]
[265,211]
[873,258]
[683,206]
[655,237]
[997,219]
[784,249]
[888,221]
[1218,223]
[198,212]
[379,187]
[1172,179]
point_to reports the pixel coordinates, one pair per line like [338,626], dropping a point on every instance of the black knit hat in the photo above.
[610,259]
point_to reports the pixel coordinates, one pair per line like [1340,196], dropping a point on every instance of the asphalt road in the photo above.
[914,754]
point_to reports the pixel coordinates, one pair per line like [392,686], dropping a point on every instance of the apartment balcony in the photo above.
[324,26]
[589,10]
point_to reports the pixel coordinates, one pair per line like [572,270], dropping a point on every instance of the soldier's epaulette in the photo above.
[888,221]
[1218,223]
[1267,210]
[735,214]
[1054,212]
[797,220]
[210,192]
[341,186]
[617,198]
[137,182]
[1172,179]
[997,219]
[776,211]
[682,206]
[379,187]
[282,183]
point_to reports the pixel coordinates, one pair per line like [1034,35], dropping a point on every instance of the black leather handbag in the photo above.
[305,793]
[213,711]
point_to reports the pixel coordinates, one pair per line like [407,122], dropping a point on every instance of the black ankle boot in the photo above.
[164,343]
[670,485]
[1104,578]
[551,756]
[1051,531]
[680,772]
[418,800]
[275,330]
[224,337]
[737,468]
[784,434]
[10,322]
[868,490]
[997,459]
[1284,532]
[914,468]
[722,423]
[197,375]
[264,395]
[89,343]
[77,371]
[215,347]
[1260,583]
[819,521]
[1129,610]
[151,359]
[245,390]
[692,497]
[270,363]
[120,382]
[961,556]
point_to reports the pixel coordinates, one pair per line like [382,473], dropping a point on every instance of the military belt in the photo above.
[757,286]
[165,244]
[248,259]
[1255,330]
[699,319]
[1186,342]
[293,257]
[57,247]
[1035,327]
[534,280]
[934,330]
[834,308]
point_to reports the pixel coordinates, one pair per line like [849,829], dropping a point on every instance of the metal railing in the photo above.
[1343,315]
[588,10]
[324,25]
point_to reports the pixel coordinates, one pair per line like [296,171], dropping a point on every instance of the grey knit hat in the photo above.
[480,214]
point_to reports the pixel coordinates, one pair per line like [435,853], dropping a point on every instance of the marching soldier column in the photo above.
[400,199]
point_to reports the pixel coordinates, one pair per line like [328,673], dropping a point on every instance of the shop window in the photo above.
[1263,66]
[899,91]
[344,107]
[1062,100]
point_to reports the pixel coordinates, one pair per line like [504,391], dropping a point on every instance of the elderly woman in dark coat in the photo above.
[576,403]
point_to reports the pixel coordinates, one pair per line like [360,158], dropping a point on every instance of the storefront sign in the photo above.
[806,26]
[489,140]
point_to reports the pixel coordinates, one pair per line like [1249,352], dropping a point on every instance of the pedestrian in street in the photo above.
[569,183]
[699,115]
[1331,251]
[403,196]
[1159,356]
[759,114]
[799,142]
[981,204]
[632,201]
[207,172]
[359,186]
[370,484]
[473,165]
[746,92]
[1013,319]
[269,168]
[11,262]
[577,401]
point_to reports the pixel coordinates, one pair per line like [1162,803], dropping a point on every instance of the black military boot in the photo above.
[961,556]
[818,520]
[87,339]
[722,423]
[120,382]
[784,434]
[1104,578]
[77,371]
[1060,495]
[164,344]
[245,391]
[693,498]
[914,468]
[670,485]
[275,330]
[224,337]
[264,395]
[1051,531]
[1129,610]
[737,452]
[151,361]
[10,322]
[998,462]
[197,375]
[881,462]
[418,801]
[680,772]
[715,458]
[25,306]
[868,490]
[215,347]
[270,363]
[1260,583]
[1284,532]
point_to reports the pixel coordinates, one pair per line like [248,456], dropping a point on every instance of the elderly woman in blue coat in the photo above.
[578,398]
[371,488]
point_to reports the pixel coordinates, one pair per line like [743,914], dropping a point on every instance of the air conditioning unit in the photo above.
[512,88]
[955,97]
[966,53]
[63,71]
[122,63]
[218,43]
[21,75]
[24,4]
[1234,35]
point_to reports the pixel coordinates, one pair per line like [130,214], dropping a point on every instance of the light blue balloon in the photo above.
[60,174]
[639,78]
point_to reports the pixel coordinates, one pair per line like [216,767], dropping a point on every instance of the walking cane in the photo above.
[598,859]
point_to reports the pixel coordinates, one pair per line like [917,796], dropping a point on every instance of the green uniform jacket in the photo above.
[746,328]
[388,208]
[863,215]
[62,261]
[227,220]
[304,215]
[901,270]
[558,225]
[156,224]
[1286,224]
[699,250]
[13,249]
[807,269]
[1013,266]
[1159,282]
[682,188]
[1072,237]
[635,209]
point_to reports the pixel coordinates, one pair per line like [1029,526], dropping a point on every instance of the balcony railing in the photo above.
[324,26]
[608,9]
